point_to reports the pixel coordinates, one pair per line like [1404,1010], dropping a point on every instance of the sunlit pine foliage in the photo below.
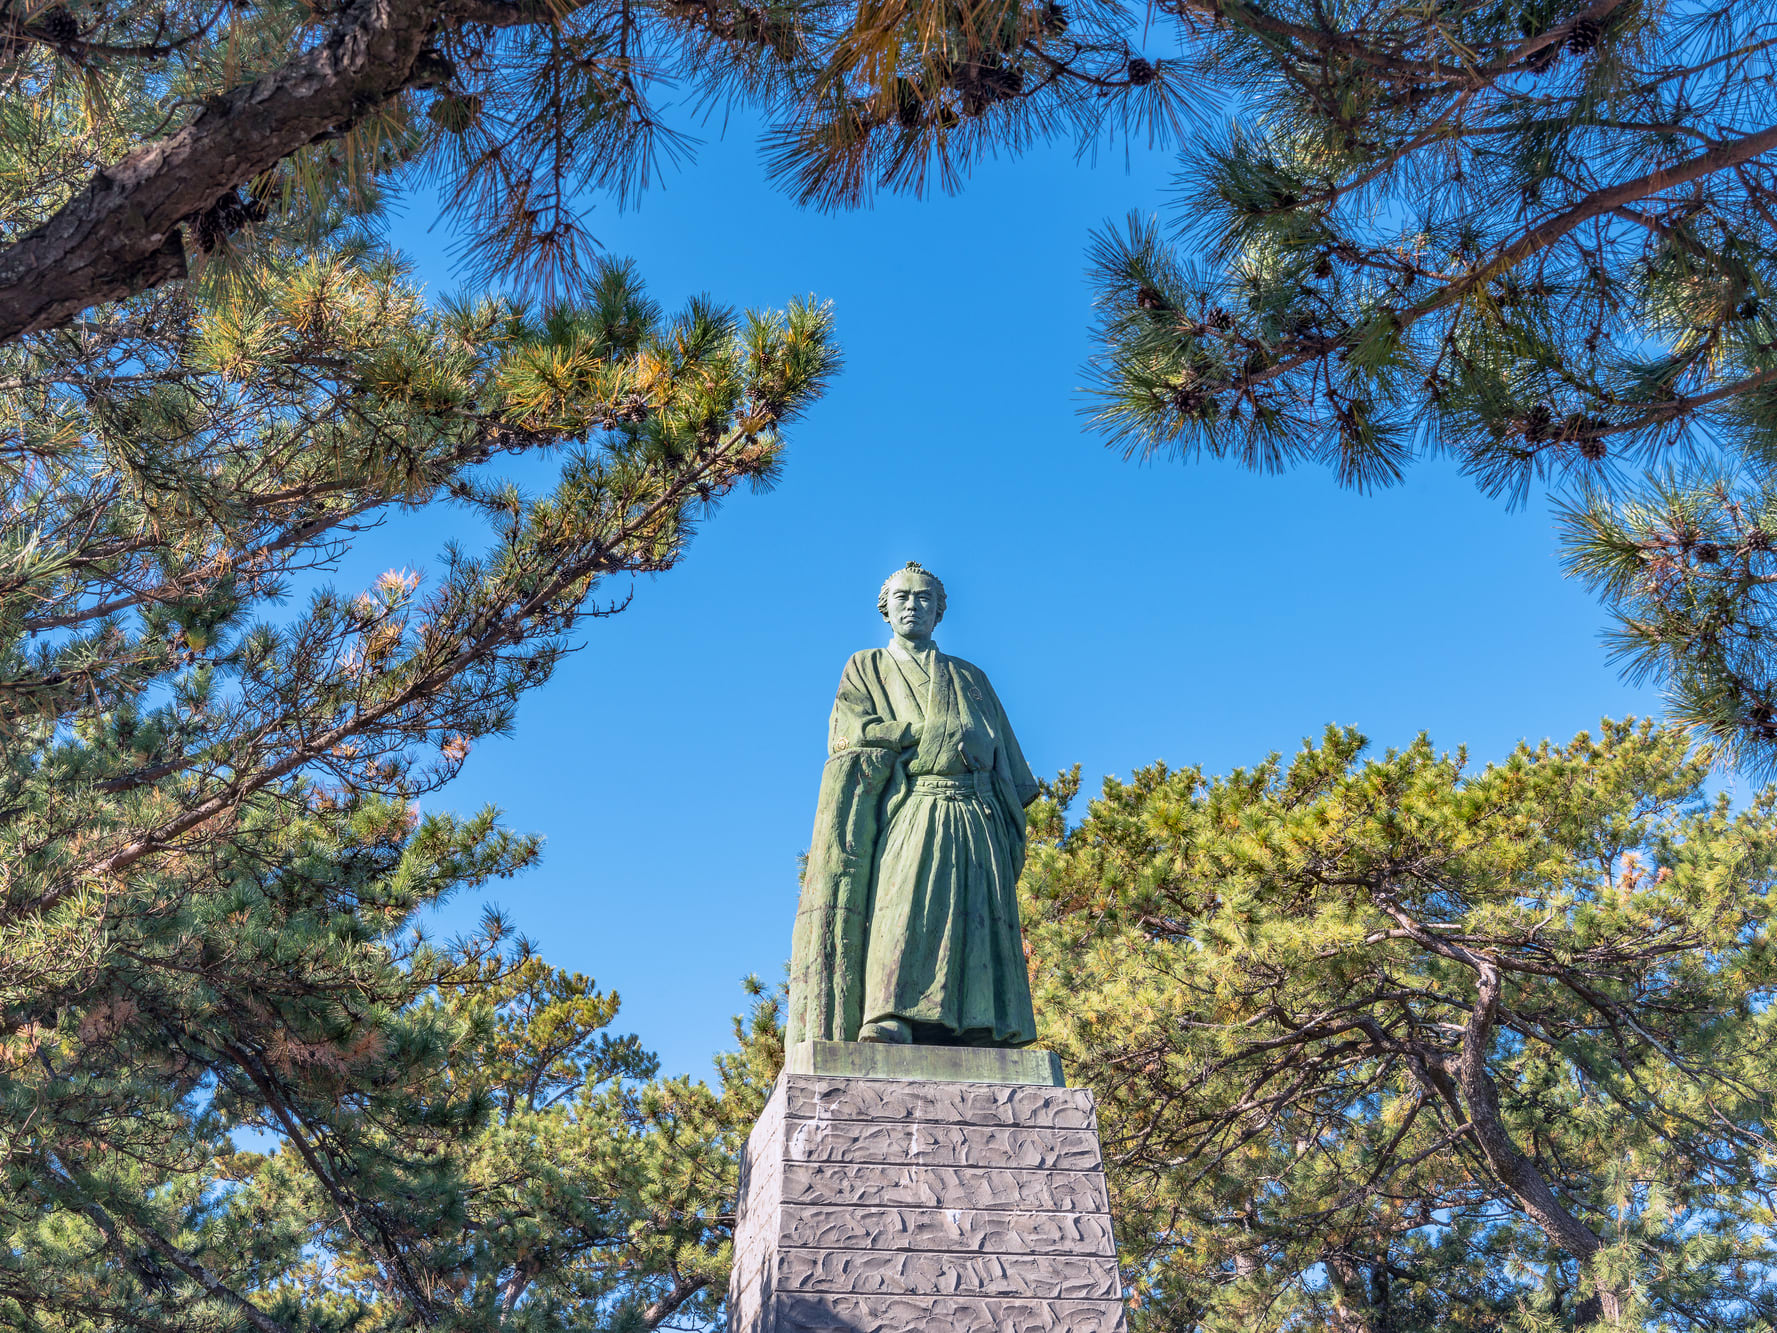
[1396,1044]
[144,140]
[213,857]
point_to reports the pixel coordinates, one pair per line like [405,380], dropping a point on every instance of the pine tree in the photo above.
[153,136]
[591,1195]
[1394,1046]
[210,759]
[1536,238]
[552,1182]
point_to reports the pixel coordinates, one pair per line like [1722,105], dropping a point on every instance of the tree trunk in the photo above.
[1514,1170]
[120,235]
[1351,1301]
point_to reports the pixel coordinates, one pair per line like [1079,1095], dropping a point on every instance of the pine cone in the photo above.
[432,69]
[1054,20]
[1760,715]
[203,231]
[984,82]
[1757,539]
[633,408]
[1707,552]
[1219,319]
[220,220]
[1593,450]
[1747,309]
[1190,401]
[58,24]
[1584,34]
[1149,298]
[1140,71]
[1536,423]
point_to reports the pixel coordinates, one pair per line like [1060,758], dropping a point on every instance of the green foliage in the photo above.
[211,761]
[514,111]
[1391,1044]
[1537,239]
[592,1195]
[238,1087]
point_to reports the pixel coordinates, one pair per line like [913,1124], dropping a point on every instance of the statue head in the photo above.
[912,601]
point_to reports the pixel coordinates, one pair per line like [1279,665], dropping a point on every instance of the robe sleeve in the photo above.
[827,947]
[1024,782]
[857,718]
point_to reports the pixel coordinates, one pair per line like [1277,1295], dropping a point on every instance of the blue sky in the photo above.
[1126,613]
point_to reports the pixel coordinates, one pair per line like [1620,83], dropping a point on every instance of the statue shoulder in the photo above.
[865,665]
[967,667]
[974,674]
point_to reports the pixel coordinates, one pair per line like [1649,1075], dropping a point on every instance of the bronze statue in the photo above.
[907,928]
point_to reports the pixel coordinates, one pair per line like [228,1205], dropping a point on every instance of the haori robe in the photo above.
[909,904]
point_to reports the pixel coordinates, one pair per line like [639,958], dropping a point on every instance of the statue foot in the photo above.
[890,1031]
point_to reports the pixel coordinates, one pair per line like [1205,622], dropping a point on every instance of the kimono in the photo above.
[909,904]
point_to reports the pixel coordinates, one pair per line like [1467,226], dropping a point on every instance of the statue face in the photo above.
[912,606]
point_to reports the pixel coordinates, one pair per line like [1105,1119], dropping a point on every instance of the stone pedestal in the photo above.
[909,1203]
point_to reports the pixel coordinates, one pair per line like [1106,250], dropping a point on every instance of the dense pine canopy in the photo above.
[1398,1044]
[237,1087]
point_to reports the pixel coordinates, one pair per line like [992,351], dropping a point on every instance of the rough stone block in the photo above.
[944,1187]
[887,1206]
[956,1230]
[864,1142]
[905,1273]
[805,1313]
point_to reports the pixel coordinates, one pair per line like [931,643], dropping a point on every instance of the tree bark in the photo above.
[1514,1170]
[1351,1303]
[120,235]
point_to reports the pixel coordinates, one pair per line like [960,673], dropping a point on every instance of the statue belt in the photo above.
[958,785]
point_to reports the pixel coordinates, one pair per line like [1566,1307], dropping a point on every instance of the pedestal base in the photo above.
[885,1205]
[925,1064]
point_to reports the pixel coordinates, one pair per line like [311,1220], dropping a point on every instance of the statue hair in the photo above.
[912,566]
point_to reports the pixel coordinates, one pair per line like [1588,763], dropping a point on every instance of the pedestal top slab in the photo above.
[932,1064]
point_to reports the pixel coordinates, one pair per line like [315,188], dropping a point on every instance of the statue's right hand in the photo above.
[892,735]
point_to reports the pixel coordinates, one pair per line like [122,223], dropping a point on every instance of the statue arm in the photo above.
[858,716]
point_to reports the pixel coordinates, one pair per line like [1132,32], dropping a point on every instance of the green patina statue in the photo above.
[908,925]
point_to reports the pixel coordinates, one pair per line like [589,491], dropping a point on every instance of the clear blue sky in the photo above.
[1126,613]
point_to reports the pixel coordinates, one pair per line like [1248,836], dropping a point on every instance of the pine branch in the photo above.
[188,1264]
[121,235]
